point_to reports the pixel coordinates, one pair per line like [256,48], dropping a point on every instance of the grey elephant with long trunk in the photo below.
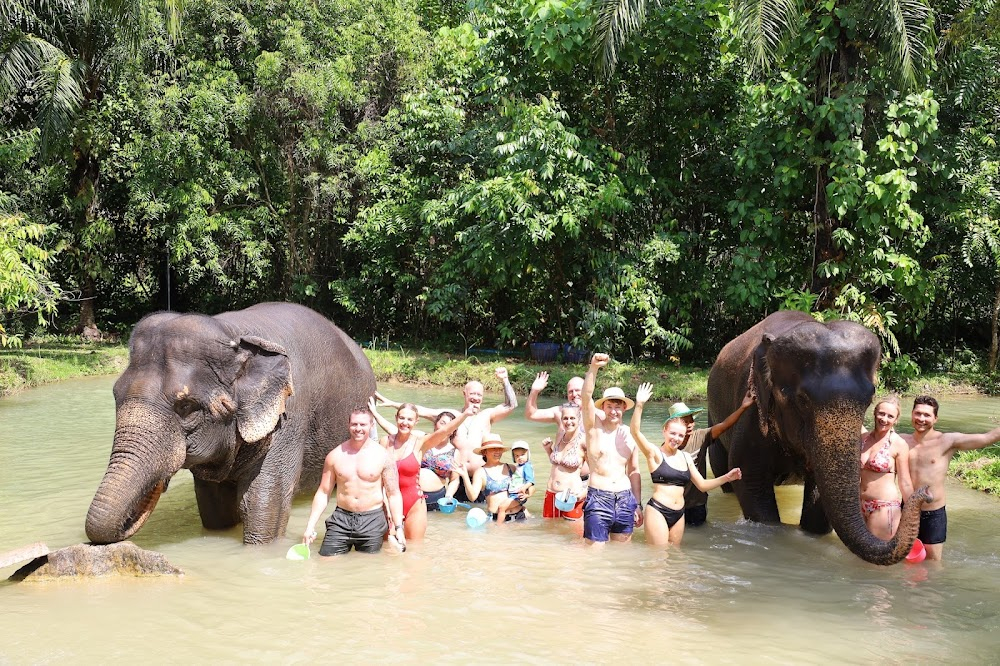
[813,382]
[250,401]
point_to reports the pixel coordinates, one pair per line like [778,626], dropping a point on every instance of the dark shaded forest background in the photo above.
[648,178]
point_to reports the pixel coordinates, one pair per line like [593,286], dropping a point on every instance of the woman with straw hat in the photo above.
[494,479]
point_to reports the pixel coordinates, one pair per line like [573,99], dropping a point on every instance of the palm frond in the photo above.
[906,27]
[616,21]
[60,97]
[763,26]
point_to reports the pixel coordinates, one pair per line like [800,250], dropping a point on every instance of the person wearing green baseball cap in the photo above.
[695,444]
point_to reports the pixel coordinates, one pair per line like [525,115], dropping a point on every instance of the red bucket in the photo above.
[917,553]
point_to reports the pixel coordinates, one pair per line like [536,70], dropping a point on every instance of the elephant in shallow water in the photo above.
[250,401]
[813,383]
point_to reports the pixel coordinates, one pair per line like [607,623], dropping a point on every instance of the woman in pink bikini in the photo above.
[567,457]
[885,471]
[406,445]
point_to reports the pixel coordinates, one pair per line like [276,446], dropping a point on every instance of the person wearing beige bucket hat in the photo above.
[611,511]
[493,480]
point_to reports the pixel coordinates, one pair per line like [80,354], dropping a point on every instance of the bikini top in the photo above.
[441,463]
[665,475]
[881,461]
[568,457]
[494,485]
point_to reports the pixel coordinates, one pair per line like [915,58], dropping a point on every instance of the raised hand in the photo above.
[643,393]
[748,399]
[599,360]
[541,381]
[501,373]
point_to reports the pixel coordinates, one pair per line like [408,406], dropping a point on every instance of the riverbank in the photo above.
[42,363]
[36,364]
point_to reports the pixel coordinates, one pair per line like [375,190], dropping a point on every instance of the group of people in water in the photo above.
[386,488]
[893,464]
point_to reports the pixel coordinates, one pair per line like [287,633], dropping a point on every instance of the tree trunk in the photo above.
[994,331]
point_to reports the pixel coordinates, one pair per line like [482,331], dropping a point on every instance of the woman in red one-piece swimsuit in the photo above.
[406,446]
[884,464]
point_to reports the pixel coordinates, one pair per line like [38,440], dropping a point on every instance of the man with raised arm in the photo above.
[930,453]
[611,511]
[361,470]
[574,389]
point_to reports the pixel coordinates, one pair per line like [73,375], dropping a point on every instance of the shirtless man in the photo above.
[574,391]
[930,453]
[361,470]
[470,434]
[612,509]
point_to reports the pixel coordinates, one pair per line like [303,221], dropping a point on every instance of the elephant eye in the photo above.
[186,408]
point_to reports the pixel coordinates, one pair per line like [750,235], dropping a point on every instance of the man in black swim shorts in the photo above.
[361,470]
[930,453]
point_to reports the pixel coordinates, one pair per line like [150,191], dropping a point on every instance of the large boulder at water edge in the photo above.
[116,559]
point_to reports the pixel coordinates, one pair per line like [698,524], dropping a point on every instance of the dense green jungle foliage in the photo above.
[645,177]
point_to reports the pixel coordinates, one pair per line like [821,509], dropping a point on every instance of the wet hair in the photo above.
[407,405]
[570,405]
[676,419]
[361,410]
[926,400]
[891,399]
[444,413]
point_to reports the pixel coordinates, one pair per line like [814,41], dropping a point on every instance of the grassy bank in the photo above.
[42,363]
[38,364]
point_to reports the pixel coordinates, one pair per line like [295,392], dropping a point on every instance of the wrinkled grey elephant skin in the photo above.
[250,401]
[85,560]
[813,383]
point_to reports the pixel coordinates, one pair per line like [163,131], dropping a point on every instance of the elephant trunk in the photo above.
[837,468]
[148,449]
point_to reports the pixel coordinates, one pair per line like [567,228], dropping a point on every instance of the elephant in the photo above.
[813,383]
[250,401]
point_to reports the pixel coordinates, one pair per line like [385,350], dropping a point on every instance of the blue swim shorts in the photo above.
[606,512]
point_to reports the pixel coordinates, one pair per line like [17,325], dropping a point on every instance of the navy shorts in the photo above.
[364,530]
[933,526]
[606,512]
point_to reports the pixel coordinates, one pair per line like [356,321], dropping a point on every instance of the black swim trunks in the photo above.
[933,526]
[364,530]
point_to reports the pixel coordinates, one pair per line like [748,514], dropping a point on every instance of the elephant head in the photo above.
[813,383]
[196,394]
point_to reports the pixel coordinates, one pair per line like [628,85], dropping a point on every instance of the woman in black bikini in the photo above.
[671,470]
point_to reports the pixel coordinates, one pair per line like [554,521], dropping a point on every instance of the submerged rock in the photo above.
[116,559]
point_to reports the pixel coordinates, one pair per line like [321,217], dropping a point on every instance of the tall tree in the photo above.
[59,57]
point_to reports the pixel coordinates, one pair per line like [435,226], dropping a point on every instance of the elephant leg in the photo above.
[216,504]
[720,463]
[814,518]
[756,490]
[266,503]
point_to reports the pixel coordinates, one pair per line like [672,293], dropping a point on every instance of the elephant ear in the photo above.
[262,385]
[760,382]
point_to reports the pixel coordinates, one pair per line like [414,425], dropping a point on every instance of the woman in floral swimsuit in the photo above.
[567,458]
[885,471]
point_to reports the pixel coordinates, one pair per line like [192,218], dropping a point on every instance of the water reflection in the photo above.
[735,592]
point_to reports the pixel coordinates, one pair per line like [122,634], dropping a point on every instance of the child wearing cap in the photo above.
[522,483]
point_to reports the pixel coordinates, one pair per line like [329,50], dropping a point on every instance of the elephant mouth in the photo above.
[137,517]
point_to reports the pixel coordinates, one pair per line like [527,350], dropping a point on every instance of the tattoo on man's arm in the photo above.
[509,398]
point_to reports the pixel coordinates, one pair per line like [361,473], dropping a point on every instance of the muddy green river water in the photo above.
[733,593]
